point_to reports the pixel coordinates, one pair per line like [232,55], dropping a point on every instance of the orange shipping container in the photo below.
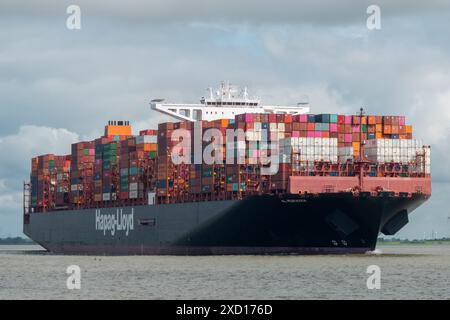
[363,120]
[118,130]
[395,129]
[150,147]
[387,129]
[378,128]
[408,129]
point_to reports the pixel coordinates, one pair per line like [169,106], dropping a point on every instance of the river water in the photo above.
[407,272]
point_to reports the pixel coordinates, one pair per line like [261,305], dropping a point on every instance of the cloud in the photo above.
[29,141]
[15,165]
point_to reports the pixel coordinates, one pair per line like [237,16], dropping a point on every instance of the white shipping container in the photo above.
[146,139]
[133,195]
[133,186]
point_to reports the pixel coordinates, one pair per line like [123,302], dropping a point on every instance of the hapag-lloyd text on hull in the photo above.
[114,222]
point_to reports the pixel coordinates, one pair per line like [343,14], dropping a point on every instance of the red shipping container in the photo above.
[395,121]
[272,118]
[280,118]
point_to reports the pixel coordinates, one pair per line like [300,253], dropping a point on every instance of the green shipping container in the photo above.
[207,173]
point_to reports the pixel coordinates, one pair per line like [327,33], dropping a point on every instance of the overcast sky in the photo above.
[59,85]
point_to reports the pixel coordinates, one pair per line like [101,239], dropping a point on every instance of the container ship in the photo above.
[230,176]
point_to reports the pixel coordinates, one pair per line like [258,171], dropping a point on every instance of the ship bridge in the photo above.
[224,103]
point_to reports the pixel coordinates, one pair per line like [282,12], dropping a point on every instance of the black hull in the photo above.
[327,223]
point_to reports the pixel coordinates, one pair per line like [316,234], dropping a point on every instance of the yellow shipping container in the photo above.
[378,128]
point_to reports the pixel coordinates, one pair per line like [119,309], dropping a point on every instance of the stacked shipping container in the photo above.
[119,167]
[50,182]
[81,173]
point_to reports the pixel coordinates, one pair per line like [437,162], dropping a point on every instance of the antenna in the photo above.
[210,93]
[361,114]
[448,220]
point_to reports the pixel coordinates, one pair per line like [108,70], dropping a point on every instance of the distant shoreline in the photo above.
[16,240]
[413,242]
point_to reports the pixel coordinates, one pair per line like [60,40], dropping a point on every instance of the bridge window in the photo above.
[197,114]
[185,112]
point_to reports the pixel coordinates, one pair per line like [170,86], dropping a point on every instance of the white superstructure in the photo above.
[225,103]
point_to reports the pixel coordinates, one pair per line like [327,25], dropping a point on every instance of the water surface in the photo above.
[407,272]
